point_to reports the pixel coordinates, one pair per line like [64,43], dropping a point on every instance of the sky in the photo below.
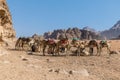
[39,16]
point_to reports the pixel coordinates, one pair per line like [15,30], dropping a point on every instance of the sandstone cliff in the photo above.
[6,26]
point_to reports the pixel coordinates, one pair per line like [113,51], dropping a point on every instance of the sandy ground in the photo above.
[18,65]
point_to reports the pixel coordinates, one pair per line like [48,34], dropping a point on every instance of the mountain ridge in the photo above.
[72,33]
[113,32]
[86,32]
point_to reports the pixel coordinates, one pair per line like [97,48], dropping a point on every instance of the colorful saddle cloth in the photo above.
[103,42]
[64,41]
[51,41]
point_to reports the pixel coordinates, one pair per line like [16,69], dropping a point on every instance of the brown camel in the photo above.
[50,45]
[23,43]
[91,45]
[63,46]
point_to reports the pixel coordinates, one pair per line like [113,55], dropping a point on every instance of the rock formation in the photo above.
[6,26]
[113,32]
[86,33]
[89,29]
[72,33]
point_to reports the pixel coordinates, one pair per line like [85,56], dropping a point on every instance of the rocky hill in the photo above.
[89,29]
[6,26]
[86,33]
[113,32]
[72,33]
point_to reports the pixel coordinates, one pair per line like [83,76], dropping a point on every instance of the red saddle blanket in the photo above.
[51,41]
[64,41]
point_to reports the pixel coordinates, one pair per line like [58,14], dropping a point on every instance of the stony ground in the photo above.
[18,65]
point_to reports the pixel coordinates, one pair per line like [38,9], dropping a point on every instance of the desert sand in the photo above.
[18,65]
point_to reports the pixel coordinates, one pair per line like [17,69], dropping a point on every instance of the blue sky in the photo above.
[39,16]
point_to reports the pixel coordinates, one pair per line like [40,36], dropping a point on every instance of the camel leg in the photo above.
[78,51]
[108,50]
[99,50]
[44,47]
[91,51]
[68,49]
[57,50]
[54,51]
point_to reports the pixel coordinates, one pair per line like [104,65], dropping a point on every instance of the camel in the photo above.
[81,48]
[91,45]
[18,44]
[36,43]
[103,44]
[51,44]
[23,43]
[63,46]
[75,43]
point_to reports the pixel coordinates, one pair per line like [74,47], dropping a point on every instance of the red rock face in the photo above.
[6,27]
